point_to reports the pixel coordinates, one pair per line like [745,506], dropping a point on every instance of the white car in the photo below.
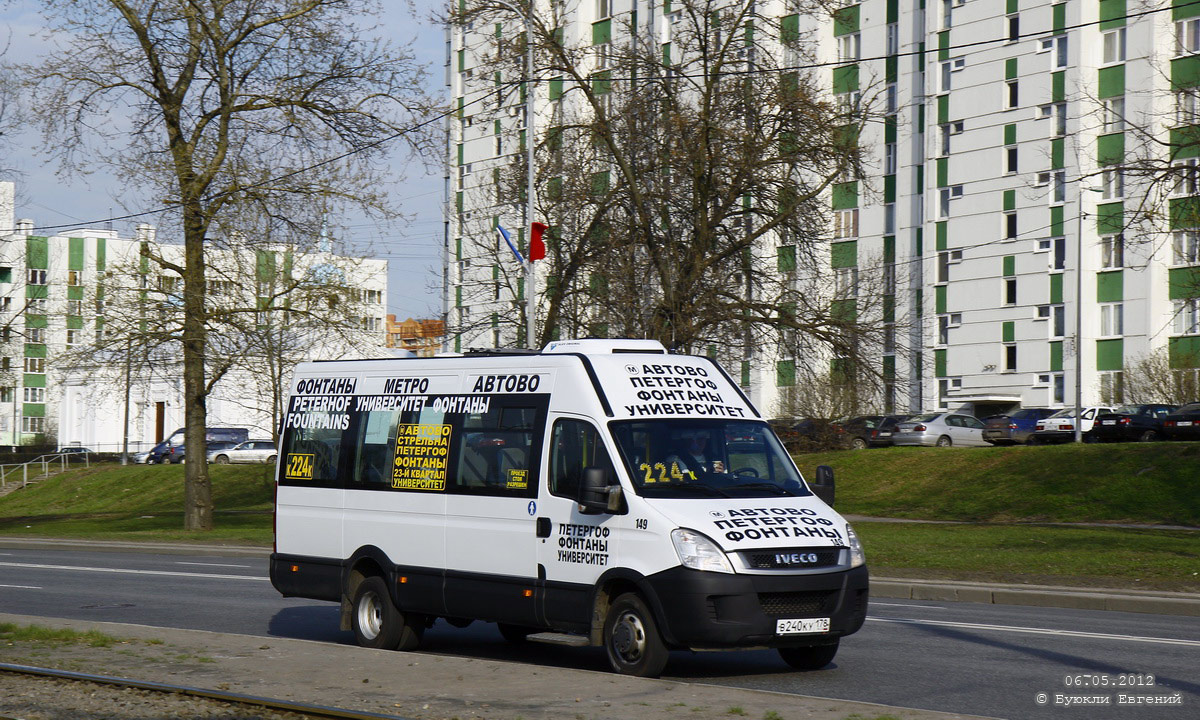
[941,429]
[1060,427]
[251,451]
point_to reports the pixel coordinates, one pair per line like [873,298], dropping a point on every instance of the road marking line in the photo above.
[127,571]
[212,564]
[1040,631]
[876,603]
[23,587]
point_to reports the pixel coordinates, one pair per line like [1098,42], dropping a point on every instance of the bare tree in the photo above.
[230,103]
[686,185]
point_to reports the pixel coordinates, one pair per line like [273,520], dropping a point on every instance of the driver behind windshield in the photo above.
[693,456]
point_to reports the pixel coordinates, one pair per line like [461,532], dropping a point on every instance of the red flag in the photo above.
[537,248]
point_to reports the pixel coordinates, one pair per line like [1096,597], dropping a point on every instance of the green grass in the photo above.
[10,634]
[140,502]
[1080,556]
[1153,483]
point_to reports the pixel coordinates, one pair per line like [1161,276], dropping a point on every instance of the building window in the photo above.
[1010,291]
[1113,47]
[35,335]
[1010,358]
[1010,225]
[1187,177]
[75,278]
[1112,320]
[893,39]
[1058,193]
[845,223]
[845,282]
[1012,95]
[1185,247]
[603,9]
[946,131]
[74,307]
[1187,317]
[1010,159]
[34,395]
[889,218]
[1057,47]
[1187,36]
[1059,257]
[943,329]
[946,15]
[73,336]
[37,277]
[35,366]
[1014,27]
[1059,391]
[889,159]
[1112,251]
[1058,318]
[847,103]
[33,425]
[1187,107]
[5,303]
[945,195]
[849,47]
[1112,183]
[1112,388]
[1112,115]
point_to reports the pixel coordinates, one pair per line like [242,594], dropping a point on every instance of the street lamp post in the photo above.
[530,277]
[1079,319]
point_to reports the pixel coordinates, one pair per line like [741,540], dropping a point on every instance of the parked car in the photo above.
[867,431]
[1060,427]
[1015,428]
[1143,423]
[143,457]
[1184,423]
[75,450]
[251,451]
[178,453]
[158,454]
[940,429]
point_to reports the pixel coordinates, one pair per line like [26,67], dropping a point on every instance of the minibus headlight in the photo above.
[857,556]
[698,552]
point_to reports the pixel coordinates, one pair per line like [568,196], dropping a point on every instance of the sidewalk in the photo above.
[422,686]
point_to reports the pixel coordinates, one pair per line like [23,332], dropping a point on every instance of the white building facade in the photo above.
[62,296]
[1029,207]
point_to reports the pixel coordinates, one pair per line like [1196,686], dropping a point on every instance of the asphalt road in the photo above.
[957,657]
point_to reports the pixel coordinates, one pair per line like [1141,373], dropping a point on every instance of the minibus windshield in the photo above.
[706,458]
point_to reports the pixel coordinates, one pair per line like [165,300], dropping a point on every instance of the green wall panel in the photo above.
[1110,354]
[1110,286]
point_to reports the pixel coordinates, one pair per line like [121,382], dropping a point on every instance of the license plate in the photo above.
[1184,423]
[885,434]
[1108,422]
[801,626]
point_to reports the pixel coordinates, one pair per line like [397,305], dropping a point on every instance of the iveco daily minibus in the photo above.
[599,492]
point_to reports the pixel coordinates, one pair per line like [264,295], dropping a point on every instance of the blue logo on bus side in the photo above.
[532,508]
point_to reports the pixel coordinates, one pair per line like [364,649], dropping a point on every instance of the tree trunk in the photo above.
[198,503]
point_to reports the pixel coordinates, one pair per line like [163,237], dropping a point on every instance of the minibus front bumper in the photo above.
[710,610]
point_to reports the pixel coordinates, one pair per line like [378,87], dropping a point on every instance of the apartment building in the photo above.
[65,298]
[1028,211]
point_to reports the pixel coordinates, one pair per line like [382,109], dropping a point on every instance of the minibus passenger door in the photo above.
[574,547]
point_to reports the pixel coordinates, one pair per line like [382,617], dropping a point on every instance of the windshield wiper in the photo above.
[717,492]
[764,486]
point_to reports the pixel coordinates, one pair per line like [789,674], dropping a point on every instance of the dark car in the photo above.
[158,454]
[1015,428]
[866,431]
[1143,423]
[1184,423]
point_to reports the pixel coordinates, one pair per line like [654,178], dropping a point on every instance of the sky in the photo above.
[412,248]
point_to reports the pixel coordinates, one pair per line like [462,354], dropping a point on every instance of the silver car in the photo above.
[251,451]
[940,429]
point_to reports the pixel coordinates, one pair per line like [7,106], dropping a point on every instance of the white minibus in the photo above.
[599,492]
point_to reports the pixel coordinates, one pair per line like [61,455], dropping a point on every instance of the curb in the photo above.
[1137,601]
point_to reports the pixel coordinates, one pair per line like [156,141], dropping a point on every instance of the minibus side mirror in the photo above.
[596,495]
[823,485]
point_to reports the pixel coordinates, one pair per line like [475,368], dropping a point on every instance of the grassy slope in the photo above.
[136,502]
[1157,483]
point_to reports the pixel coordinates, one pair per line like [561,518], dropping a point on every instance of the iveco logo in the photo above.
[795,558]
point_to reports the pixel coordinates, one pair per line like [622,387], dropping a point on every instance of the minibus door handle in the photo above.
[543,527]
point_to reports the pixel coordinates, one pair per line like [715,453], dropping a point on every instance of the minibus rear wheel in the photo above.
[631,638]
[378,623]
[809,658]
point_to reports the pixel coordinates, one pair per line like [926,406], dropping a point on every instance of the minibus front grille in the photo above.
[799,604]
[792,558]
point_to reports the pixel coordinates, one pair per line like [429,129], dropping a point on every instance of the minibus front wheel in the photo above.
[809,658]
[378,623]
[632,640]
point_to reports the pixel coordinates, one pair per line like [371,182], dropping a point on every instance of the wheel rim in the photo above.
[370,615]
[628,639]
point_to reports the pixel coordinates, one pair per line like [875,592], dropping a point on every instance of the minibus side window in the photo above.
[376,445]
[311,456]
[575,445]
[495,451]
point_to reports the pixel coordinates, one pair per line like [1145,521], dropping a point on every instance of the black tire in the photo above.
[944,441]
[631,639]
[1149,436]
[271,460]
[221,459]
[809,658]
[377,622]
[515,634]
[1033,440]
[858,444]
